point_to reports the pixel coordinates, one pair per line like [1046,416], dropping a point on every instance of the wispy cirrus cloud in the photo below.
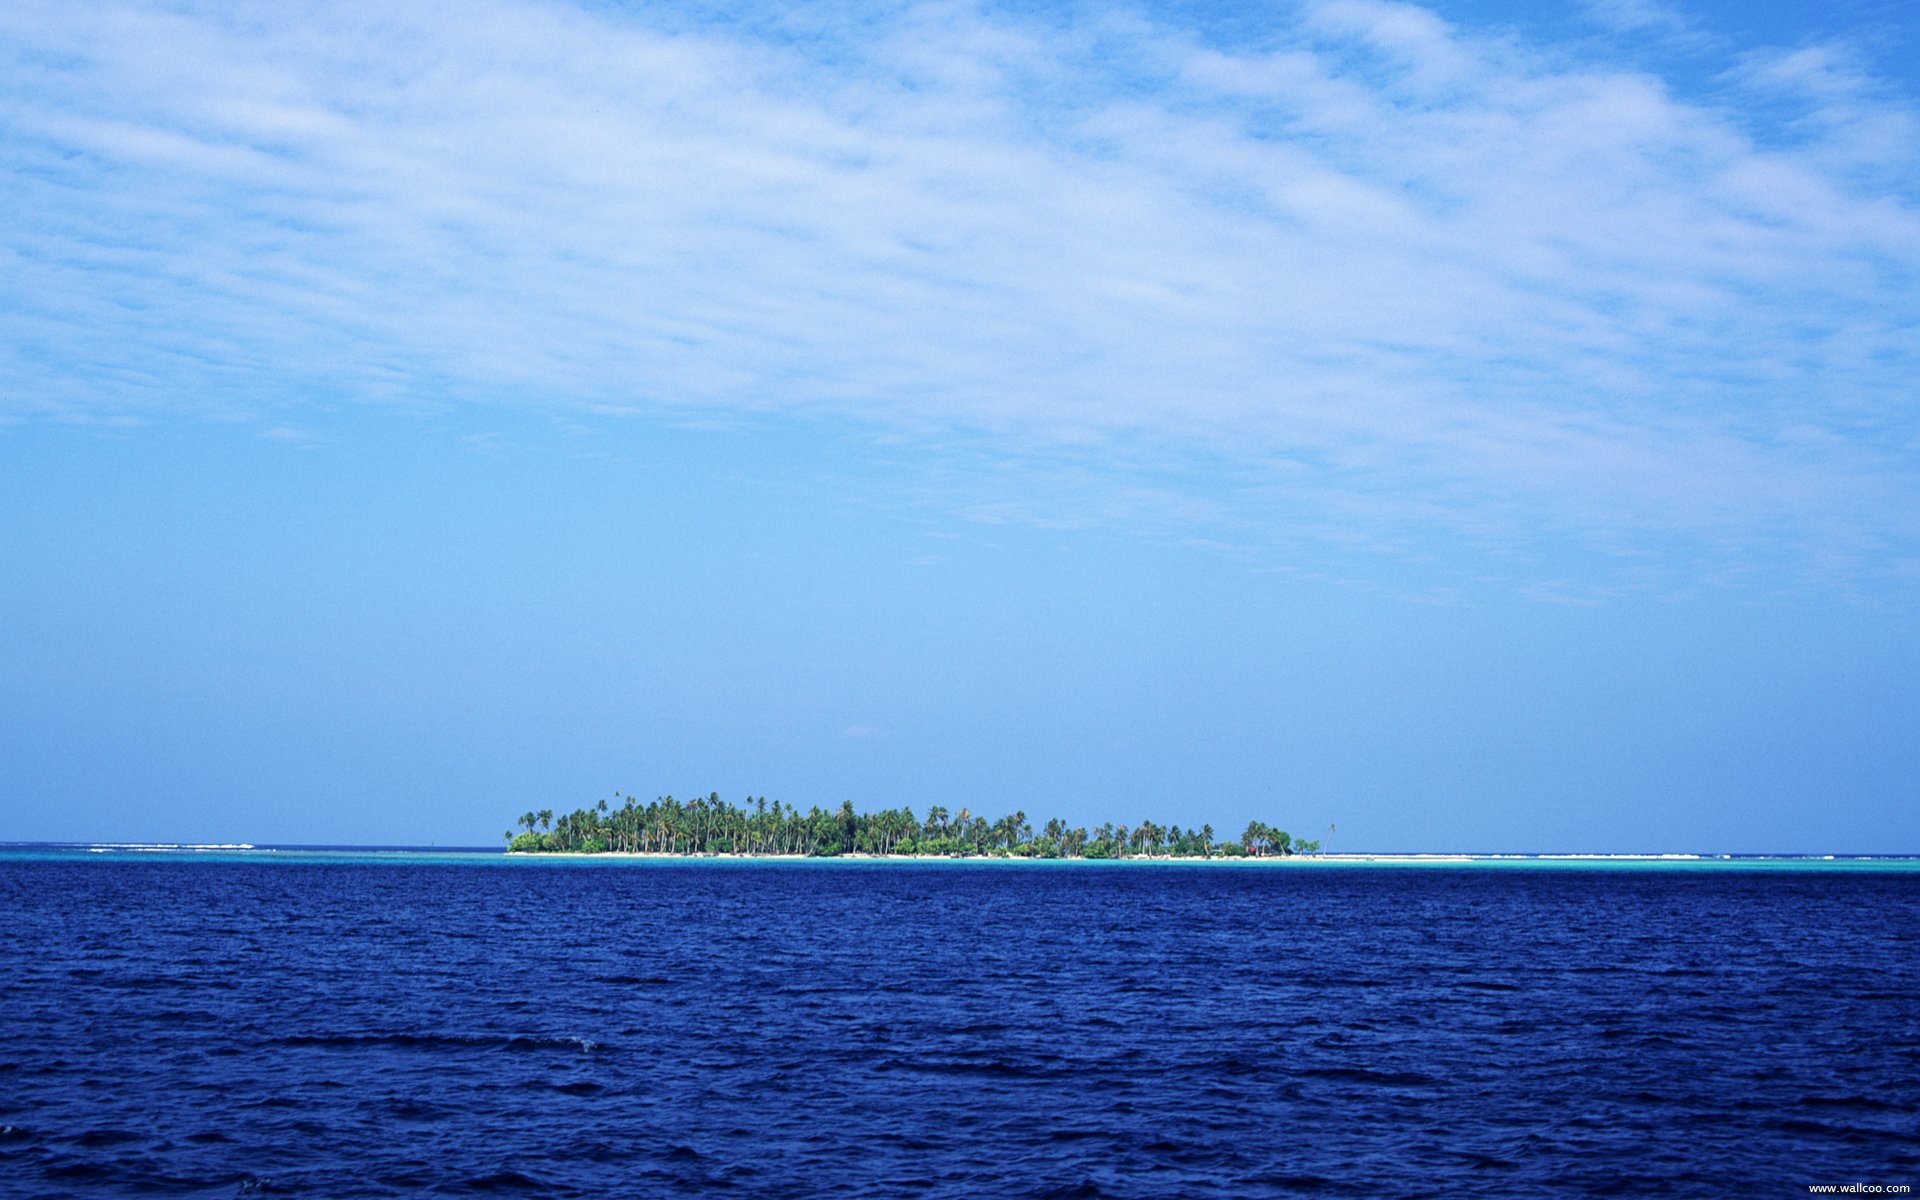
[1394,275]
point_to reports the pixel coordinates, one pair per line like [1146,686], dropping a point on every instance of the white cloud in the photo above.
[1395,273]
[1640,16]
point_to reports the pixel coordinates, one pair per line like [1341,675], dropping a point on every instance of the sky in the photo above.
[1438,427]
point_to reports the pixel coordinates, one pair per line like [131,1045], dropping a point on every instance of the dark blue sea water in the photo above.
[181,1026]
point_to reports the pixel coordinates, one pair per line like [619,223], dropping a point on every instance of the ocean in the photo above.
[378,1025]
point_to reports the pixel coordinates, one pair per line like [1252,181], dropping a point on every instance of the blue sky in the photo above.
[1475,429]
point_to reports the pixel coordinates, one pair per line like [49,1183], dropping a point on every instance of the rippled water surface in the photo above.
[180,1026]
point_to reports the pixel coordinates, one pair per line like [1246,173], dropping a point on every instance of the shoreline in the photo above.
[963,858]
[477,855]
[1296,859]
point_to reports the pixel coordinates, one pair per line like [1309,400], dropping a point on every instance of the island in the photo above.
[712,826]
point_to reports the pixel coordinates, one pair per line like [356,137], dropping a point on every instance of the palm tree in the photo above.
[1056,831]
[1250,840]
[1145,837]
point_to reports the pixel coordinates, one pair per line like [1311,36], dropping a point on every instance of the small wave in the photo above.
[1362,1075]
[1076,1135]
[438,1041]
[1847,1133]
[1086,1189]
[501,1181]
[575,1044]
[1866,1102]
[980,1028]
[416,1110]
[77,1172]
[1231,1064]
[1296,1183]
[909,1142]
[165,847]
[950,1066]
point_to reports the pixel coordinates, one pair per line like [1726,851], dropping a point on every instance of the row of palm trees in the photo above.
[710,825]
